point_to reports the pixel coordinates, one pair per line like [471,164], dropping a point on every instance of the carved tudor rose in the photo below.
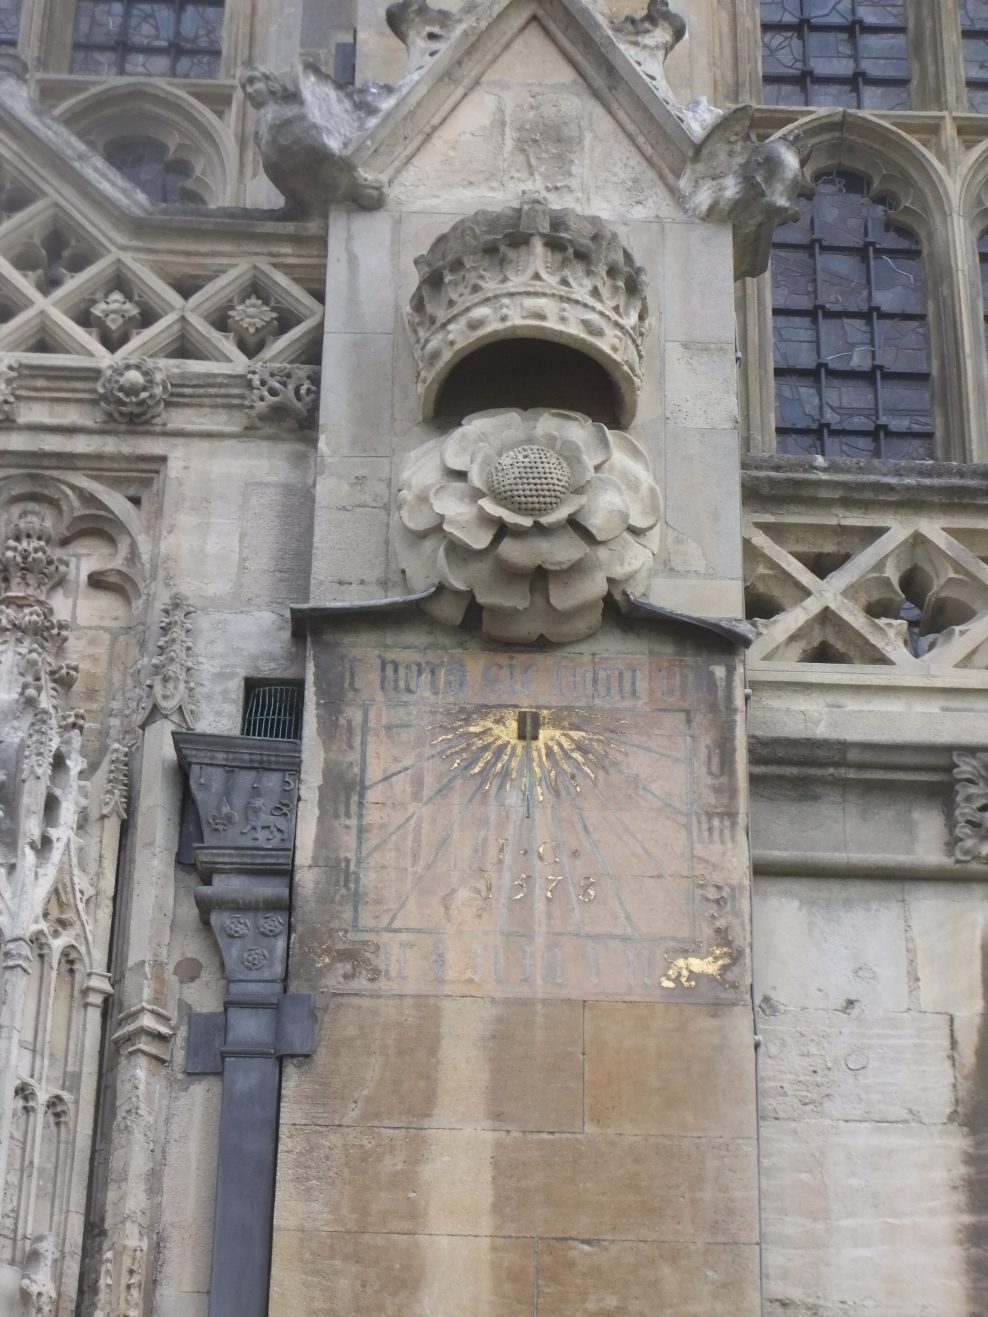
[538,515]
[133,391]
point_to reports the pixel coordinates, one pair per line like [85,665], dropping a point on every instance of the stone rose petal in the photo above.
[577,625]
[629,464]
[463,520]
[580,467]
[419,557]
[605,512]
[461,569]
[416,510]
[555,549]
[484,459]
[491,428]
[583,583]
[422,467]
[563,430]
[541,619]
[570,504]
[623,557]
[510,518]
[447,605]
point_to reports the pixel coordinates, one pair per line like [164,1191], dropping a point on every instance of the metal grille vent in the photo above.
[273,710]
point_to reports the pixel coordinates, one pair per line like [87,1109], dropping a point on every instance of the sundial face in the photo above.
[521,821]
[523,841]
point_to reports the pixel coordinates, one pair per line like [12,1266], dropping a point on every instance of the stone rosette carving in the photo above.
[115,319]
[529,272]
[282,392]
[252,324]
[971,807]
[538,515]
[133,392]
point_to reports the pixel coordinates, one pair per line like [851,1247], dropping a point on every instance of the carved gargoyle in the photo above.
[307,131]
[304,136]
[422,30]
[752,185]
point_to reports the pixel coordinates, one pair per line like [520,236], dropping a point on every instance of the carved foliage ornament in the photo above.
[971,806]
[171,686]
[8,388]
[283,392]
[537,515]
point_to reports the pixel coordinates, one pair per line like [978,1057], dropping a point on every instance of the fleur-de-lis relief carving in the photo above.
[225,816]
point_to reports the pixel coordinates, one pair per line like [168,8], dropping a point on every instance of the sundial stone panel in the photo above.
[520,900]
[519,824]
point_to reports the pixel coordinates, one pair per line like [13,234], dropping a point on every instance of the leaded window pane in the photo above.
[850,328]
[835,53]
[158,38]
[144,160]
[983,259]
[974,41]
[10,14]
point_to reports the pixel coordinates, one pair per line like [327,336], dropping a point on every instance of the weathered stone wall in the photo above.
[519,1043]
[871,1010]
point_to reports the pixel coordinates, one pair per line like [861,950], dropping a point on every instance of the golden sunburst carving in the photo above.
[536,748]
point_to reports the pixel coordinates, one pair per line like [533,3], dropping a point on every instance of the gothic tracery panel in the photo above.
[895,590]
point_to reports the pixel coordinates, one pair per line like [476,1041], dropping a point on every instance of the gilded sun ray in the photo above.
[503,746]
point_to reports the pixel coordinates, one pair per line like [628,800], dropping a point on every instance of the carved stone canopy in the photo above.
[529,272]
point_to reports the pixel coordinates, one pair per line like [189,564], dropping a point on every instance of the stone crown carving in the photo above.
[537,515]
[529,272]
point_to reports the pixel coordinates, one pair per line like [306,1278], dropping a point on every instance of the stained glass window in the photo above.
[10,13]
[144,160]
[974,40]
[983,261]
[852,376]
[835,52]
[167,38]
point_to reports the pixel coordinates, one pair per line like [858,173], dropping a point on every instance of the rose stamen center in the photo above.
[530,480]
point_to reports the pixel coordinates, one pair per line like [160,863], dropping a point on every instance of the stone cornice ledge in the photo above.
[832,479]
[828,864]
[769,756]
